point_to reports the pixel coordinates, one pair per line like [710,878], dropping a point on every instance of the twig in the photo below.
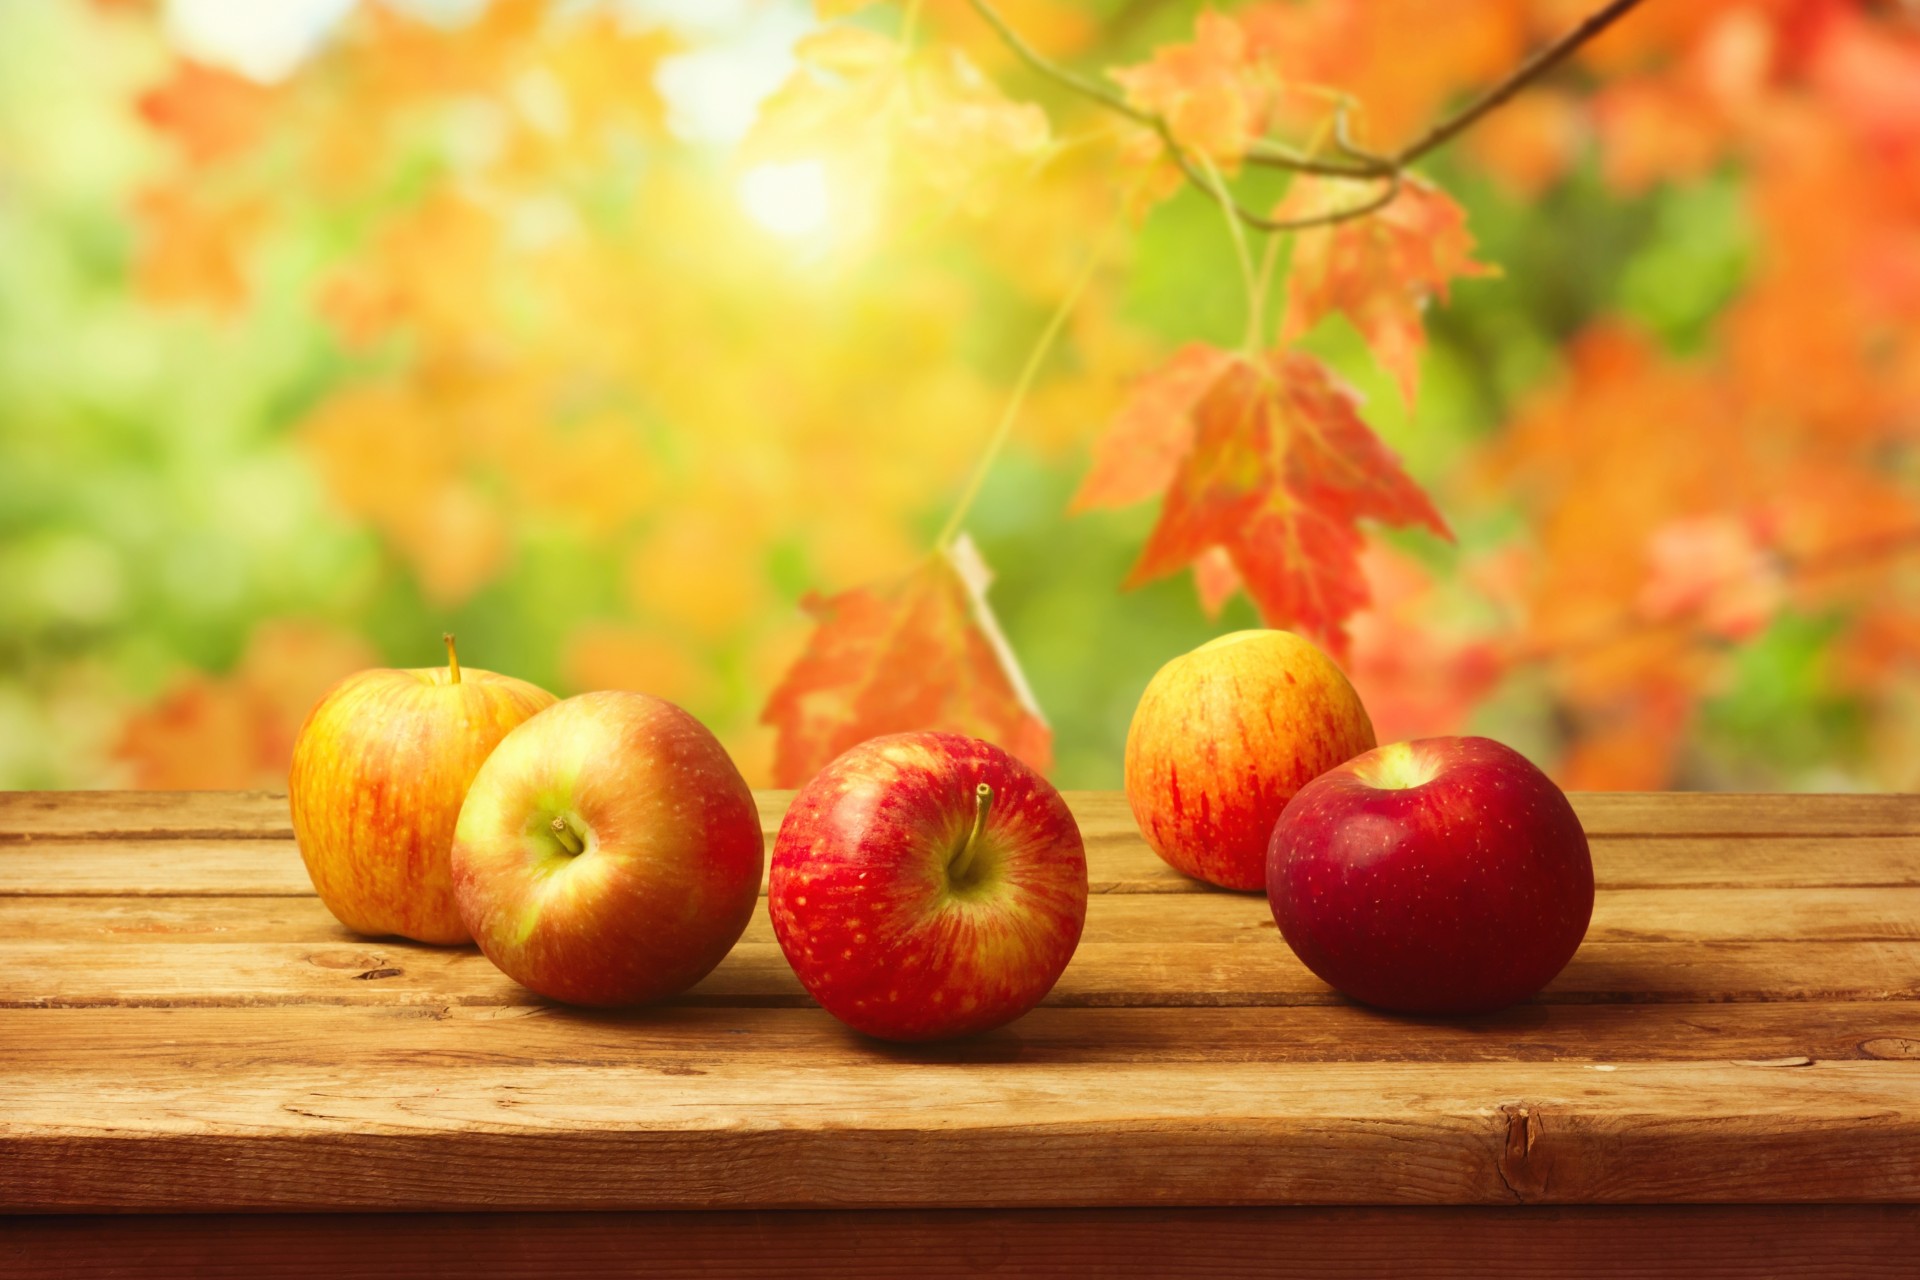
[1256,298]
[1036,357]
[1359,164]
[1529,71]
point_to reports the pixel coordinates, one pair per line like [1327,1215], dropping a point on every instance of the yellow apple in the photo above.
[1222,739]
[380,770]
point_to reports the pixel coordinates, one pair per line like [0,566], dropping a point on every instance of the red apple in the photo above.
[609,852]
[928,885]
[380,769]
[1446,875]
[1221,740]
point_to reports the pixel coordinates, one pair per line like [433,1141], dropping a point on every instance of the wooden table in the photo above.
[1725,1082]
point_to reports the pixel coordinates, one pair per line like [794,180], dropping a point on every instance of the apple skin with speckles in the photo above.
[380,769]
[1223,738]
[651,874]
[915,906]
[1439,876]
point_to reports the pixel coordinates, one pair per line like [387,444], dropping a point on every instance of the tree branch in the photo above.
[1529,71]
[1360,164]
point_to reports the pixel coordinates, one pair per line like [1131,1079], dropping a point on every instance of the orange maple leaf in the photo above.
[211,113]
[1213,92]
[1379,271]
[1273,470]
[871,109]
[1419,661]
[193,250]
[920,652]
[237,730]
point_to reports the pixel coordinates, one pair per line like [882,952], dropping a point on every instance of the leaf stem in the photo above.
[1256,303]
[453,658]
[1015,401]
[982,801]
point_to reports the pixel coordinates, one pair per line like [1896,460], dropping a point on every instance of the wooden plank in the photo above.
[746,1136]
[1611,815]
[324,1038]
[1817,1242]
[1151,973]
[1606,815]
[1626,915]
[1123,863]
[190,866]
[186,815]
[144,815]
[1115,865]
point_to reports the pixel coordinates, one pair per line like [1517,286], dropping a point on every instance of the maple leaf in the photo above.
[192,251]
[1379,271]
[1273,470]
[1717,571]
[920,652]
[1420,666]
[211,113]
[238,730]
[1140,453]
[862,104]
[1212,92]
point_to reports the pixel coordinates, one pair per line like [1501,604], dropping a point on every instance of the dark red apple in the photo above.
[928,885]
[1445,875]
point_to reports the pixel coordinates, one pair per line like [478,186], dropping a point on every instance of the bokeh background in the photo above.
[327,326]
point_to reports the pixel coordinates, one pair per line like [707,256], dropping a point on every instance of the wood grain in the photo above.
[259,814]
[727,1135]
[37,973]
[1625,915]
[322,1038]
[1116,864]
[184,1028]
[1590,1243]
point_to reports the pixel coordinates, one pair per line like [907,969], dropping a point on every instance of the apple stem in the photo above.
[982,801]
[453,659]
[568,840]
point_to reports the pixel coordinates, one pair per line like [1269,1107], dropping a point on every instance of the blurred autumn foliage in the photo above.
[522,320]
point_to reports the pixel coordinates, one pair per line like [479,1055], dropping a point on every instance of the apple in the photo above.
[1445,875]
[609,852]
[380,769]
[1222,739]
[928,885]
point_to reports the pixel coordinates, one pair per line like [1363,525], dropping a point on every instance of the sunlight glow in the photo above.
[262,41]
[790,200]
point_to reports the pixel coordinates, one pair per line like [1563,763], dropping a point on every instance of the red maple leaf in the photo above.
[1274,470]
[920,652]
[1140,453]
[1380,271]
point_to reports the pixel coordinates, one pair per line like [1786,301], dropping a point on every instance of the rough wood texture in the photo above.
[183,1027]
[1637,1243]
[58,815]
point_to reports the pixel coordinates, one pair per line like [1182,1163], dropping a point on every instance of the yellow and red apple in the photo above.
[609,852]
[928,885]
[380,770]
[1223,738]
